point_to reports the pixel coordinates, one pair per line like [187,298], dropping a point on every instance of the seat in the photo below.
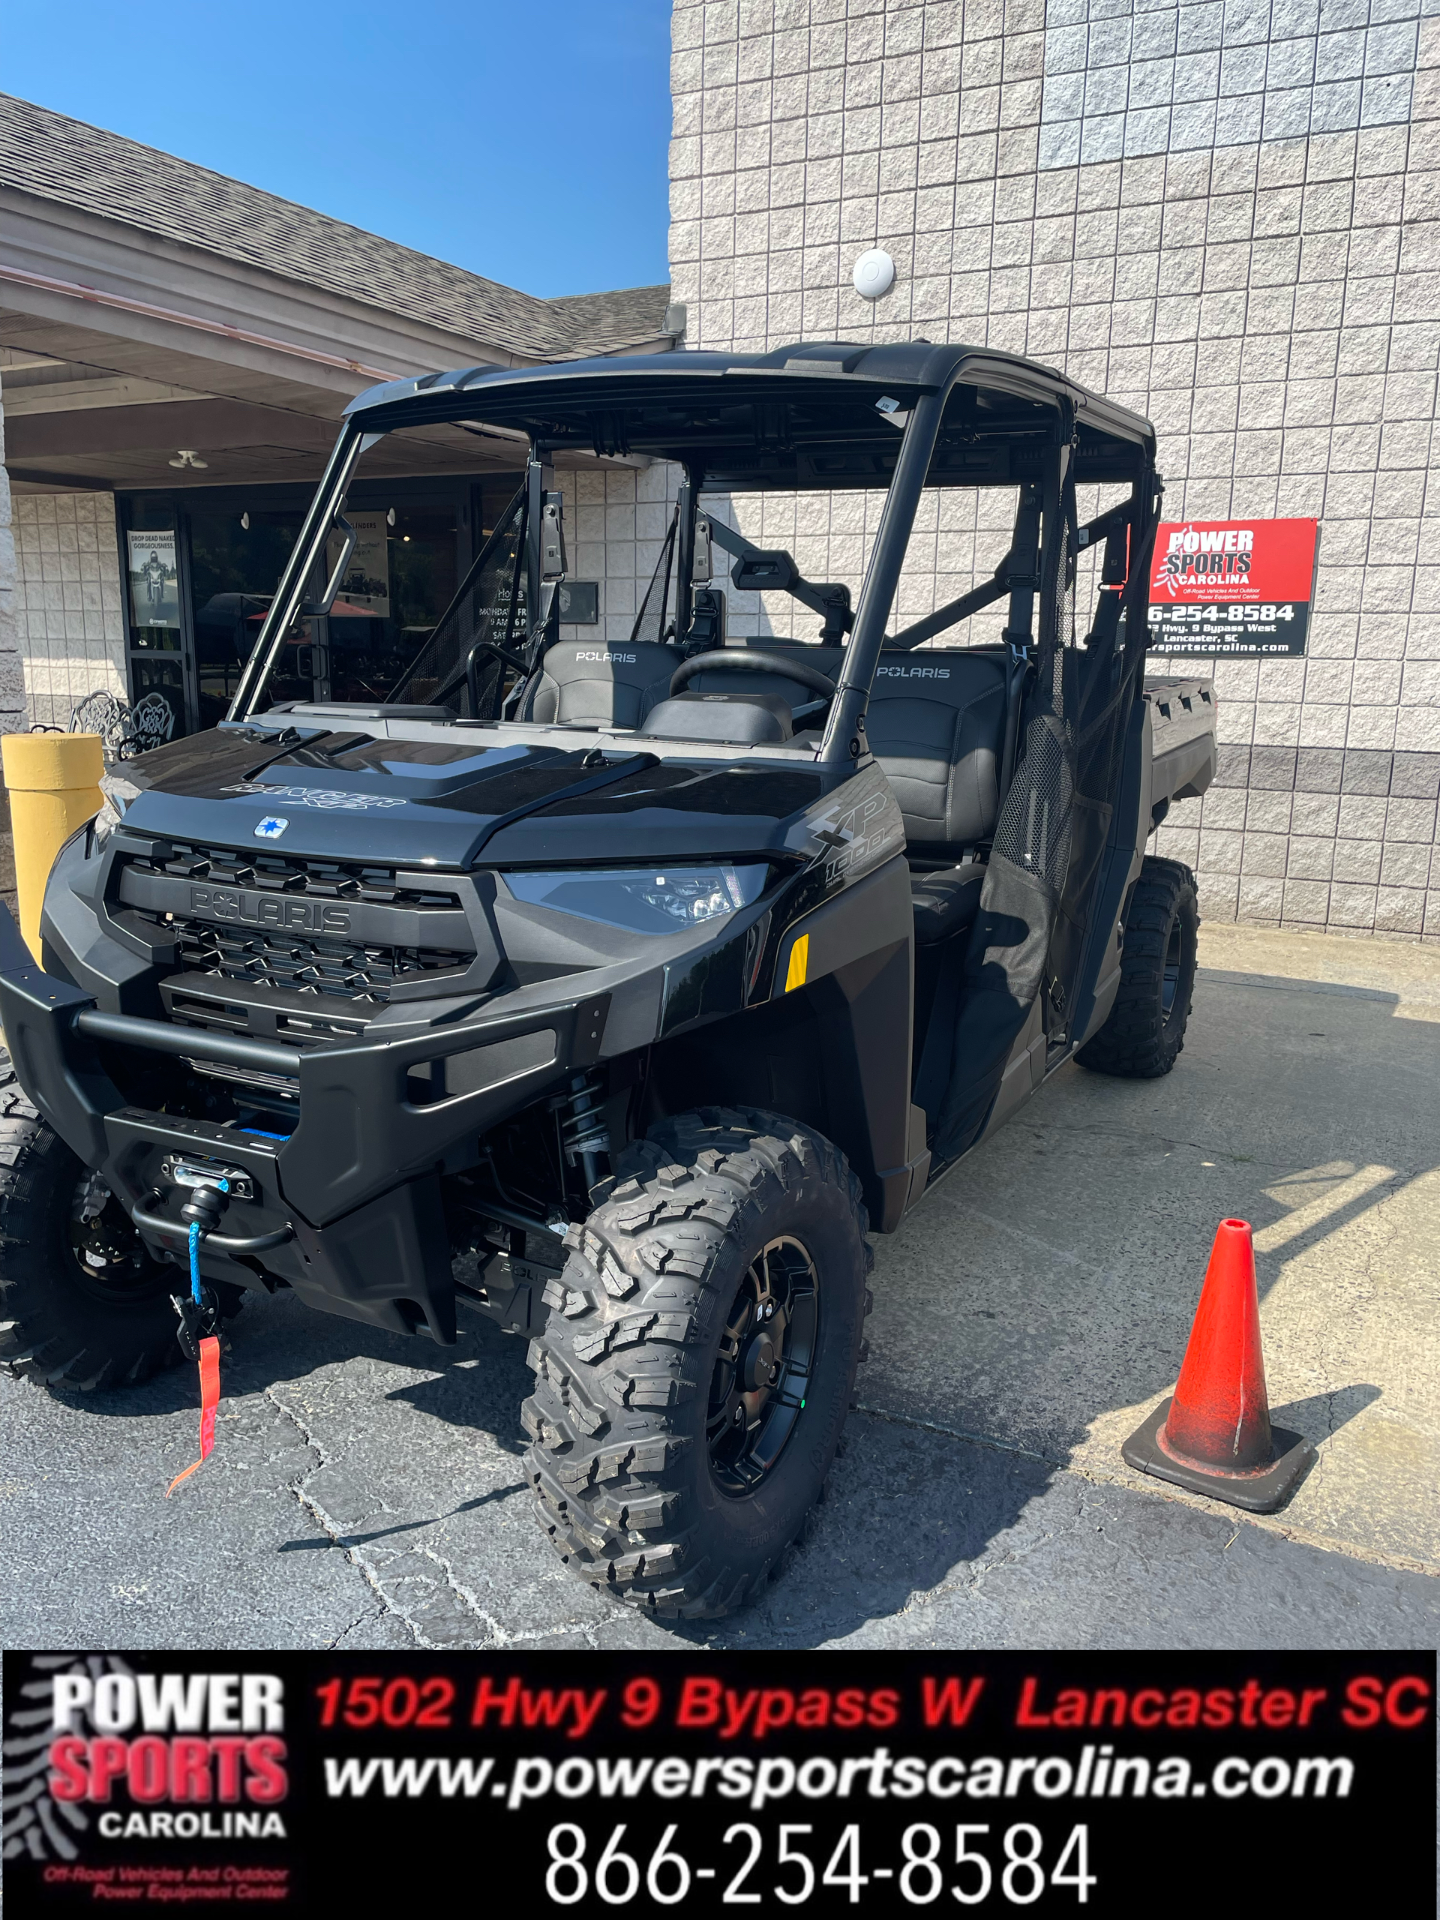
[599,683]
[936,724]
[737,720]
[946,901]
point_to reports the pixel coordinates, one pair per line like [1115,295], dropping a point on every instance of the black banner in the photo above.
[1113,1783]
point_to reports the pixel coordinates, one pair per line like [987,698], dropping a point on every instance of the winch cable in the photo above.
[204,1215]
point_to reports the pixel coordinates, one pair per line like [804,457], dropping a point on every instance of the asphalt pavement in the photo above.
[366,1491]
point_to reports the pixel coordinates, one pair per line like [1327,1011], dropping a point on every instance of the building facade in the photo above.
[1225,213]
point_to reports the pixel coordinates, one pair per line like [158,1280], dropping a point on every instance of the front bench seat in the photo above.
[946,901]
[598,683]
[936,724]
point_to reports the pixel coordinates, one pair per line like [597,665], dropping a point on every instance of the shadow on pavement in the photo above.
[349,1540]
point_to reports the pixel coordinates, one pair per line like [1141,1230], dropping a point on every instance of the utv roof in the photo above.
[816,414]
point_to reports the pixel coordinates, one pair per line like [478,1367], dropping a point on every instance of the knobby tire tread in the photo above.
[622,1351]
[1133,1043]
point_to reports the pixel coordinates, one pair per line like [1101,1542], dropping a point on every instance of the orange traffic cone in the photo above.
[1214,1436]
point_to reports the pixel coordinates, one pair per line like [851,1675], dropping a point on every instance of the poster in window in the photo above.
[365,583]
[1228,587]
[154,579]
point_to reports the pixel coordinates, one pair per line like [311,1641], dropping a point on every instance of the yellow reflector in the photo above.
[799,961]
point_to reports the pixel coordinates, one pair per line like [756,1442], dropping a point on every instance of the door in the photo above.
[158,668]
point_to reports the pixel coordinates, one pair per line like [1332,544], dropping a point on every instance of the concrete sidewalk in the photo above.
[367,1490]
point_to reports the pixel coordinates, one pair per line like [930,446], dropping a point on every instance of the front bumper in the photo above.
[348,1205]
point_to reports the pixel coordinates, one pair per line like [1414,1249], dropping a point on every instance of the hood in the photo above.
[444,803]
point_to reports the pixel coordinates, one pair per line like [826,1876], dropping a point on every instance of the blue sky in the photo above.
[526,141]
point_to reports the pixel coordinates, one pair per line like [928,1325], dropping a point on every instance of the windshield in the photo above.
[465,652]
[684,582]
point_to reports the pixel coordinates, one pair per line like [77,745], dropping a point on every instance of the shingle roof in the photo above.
[66,160]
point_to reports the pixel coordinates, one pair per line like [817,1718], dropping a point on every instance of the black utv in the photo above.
[618,990]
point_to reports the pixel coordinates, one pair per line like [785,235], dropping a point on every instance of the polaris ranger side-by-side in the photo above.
[617,991]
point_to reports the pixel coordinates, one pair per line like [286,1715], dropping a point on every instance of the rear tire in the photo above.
[1145,1031]
[680,1434]
[65,1320]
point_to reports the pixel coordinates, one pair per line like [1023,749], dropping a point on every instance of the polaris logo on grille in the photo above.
[266,910]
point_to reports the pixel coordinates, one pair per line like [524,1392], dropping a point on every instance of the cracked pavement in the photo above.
[367,1491]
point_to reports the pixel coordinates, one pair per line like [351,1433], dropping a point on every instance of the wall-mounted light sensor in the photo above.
[390,518]
[874,274]
[245,520]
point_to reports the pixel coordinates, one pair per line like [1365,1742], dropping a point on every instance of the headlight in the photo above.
[642,899]
[116,794]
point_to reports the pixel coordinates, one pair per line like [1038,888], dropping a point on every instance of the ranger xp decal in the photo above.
[859,834]
[327,799]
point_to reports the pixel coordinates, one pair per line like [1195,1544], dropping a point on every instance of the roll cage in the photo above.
[804,418]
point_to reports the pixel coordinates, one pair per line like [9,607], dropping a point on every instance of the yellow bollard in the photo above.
[54,784]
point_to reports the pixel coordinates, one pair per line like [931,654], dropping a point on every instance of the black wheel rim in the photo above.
[1178,969]
[108,1252]
[1174,956]
[764,1367]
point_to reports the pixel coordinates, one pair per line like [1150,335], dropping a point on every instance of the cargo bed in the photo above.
[1182,717]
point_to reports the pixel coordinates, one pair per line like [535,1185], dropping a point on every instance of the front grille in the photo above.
[287,957]
[310,879]
[302,965]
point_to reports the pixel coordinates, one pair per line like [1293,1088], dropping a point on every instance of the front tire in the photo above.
[1145,1031]
[82,1304]
[698,1362]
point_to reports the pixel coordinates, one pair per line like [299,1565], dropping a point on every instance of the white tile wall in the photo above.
[1270,297]
[69,607]
[615,524]
[1129,77]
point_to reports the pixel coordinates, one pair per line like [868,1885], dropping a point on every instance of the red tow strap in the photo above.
[209,1400]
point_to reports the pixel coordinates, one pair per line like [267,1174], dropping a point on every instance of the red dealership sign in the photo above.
[1233,586]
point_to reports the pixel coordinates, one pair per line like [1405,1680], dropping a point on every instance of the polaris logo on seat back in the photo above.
[266,910]
[598,653]
[912,673]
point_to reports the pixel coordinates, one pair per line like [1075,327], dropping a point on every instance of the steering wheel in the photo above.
[746,660]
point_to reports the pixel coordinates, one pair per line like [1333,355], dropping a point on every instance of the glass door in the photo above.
[161,688]
[399,578]
[236,556]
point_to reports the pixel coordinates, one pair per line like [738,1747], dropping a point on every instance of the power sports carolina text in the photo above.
[186,1741]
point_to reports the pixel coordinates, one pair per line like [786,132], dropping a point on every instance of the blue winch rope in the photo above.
[195,1231]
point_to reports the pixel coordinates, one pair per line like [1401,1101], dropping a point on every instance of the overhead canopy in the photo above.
[814,415]
[149,305]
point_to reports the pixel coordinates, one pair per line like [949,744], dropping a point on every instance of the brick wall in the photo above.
[69,606]
[1226,213]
